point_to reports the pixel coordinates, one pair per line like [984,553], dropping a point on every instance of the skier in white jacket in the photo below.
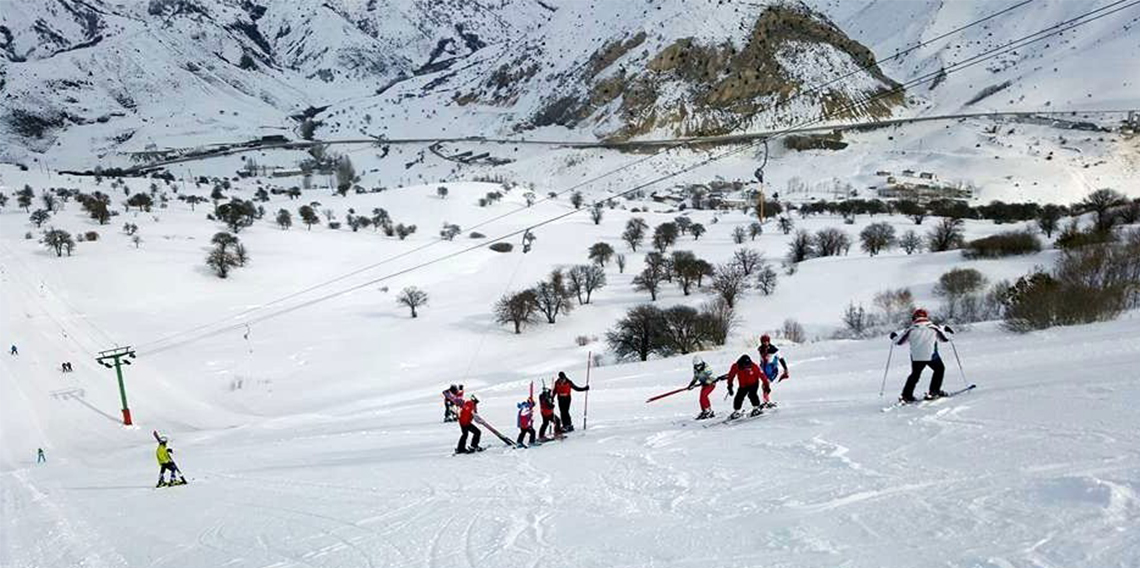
[923,337]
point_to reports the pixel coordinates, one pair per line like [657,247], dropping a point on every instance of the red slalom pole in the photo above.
[663,395]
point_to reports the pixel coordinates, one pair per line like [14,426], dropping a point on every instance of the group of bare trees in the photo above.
[648,329]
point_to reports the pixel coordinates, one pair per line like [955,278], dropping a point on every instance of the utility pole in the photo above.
[117,358]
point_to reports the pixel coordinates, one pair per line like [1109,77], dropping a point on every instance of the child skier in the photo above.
[770,365]
[767,347]
[166,463]
[562,387]
[703,377]
[40,457]
[546,408]
[526,420]
[466,426]
[750,377]
[923,337]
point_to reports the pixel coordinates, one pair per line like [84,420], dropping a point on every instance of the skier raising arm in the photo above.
[166,463]
[923,337]
[562,388]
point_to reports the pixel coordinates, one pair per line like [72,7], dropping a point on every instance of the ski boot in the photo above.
[705,414]
[768,404]
[907,399]
[161,483]
[757,411]
[735,414]
[935,395]
[474,449]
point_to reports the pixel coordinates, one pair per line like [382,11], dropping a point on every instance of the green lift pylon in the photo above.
[117,358]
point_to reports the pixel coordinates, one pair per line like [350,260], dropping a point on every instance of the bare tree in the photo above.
[449,231]
[576,199]
[224,256]
[1102,202]
[601,253]
[664,236]
[583,279]
[441,191]
[634,232]
[39,217]
[877,237]
[946,235]
[739,235]
[686,269]
[831,242]
[786,225]
[620,259]
[284,218]
[717,320]
[413,298]
[308,216]
[697,230]
[747,260]
[596,213]
[911,242]
[683,223]
[59,241]
[766,279]
[516,308]
[801,248]
[682,330]
[856,319]
[638,333]
[345,175]
[755,229]
[552,296]
[1048,219]
[652,275]
[729,283]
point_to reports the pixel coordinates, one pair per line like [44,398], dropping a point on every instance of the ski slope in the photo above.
[315,438]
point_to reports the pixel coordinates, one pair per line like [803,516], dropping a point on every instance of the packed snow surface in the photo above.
[315,438]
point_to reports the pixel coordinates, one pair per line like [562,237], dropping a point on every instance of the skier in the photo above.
[14,350]
[923,337]
[703,376]
[467,426]
[770,365]
[549,419]
[750,377]
[166,463]
[767,347]
[526,420]
[562,387]
[452,399]
[40,457]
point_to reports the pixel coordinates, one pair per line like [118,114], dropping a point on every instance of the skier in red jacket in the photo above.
[466,419]
[546,408]
[751,377]
[562,387]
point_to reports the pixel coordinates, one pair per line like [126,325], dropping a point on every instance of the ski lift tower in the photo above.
[117,358]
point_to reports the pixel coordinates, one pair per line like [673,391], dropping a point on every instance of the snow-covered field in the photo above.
[314,438]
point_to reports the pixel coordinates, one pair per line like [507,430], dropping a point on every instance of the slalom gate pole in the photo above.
[663,395]
[961,371]
[883,386]
[586,404]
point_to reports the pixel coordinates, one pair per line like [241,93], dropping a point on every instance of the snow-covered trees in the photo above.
[412,298]
[831,242]
[596,213]
[284,218]
[552,296]
[582,280]
[729,282]
[910,242]
[655,271]
[946,235]
[237,214]
[39,217]
[634,232]
[601,253]
[664,236]
[449,231]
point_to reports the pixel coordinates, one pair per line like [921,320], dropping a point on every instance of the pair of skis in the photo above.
[923,402]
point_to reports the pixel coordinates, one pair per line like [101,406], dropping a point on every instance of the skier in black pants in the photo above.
[923,337]
[466,417]
[562,388]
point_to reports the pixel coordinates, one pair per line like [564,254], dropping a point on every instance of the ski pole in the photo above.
[663,395]
[586,403]
[961,371]
[883,386]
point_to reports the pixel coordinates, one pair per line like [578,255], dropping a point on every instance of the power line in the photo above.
[969,62]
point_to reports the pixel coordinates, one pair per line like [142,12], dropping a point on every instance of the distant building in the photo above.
[926,175]
[882,173]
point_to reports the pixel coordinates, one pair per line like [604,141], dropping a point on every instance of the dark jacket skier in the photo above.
[923,337]
[562,387]
[549,419]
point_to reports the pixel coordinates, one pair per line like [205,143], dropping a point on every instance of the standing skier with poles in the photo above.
[751,377]
[703,377]
[923,337]
[166,463]
[466,426]
[562,387]
[770,364]
[767,347]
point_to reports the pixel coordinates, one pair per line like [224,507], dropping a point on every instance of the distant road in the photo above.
[204,153]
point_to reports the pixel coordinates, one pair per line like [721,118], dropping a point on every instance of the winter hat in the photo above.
[765,338]
[561,375]
[920,313]
[744,361]
[698,362]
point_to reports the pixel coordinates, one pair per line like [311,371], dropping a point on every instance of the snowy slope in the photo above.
[313,438]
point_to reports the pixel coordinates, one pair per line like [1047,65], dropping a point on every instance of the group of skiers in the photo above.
[746,379]
[558,424]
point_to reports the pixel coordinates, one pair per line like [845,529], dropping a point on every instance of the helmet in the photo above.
[920,313]
[744,361]
[473,398]
[765,338]
[698,362]
[162,440]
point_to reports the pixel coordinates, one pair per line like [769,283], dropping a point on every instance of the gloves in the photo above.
[783,377]
[587,387]
[730,390]
[894,335]
[947,329]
